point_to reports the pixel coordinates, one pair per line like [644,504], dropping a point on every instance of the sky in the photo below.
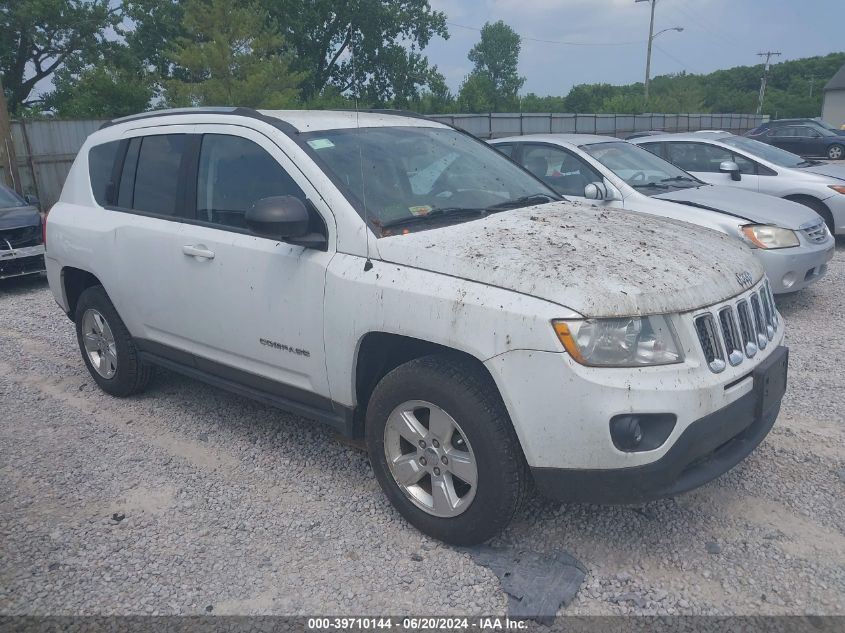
[717,34]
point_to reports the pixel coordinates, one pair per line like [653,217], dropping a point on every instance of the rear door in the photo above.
[145,195]
[782,137]
[253,306]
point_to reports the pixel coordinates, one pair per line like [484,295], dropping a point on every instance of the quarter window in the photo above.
[100,165]
[157,174]
[234,173]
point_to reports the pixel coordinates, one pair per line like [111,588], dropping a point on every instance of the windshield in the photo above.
[825,125]
[411,176]
[9,198]
[639,168]
[770,153]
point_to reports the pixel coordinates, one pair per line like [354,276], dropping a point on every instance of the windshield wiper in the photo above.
[434,215]
[681,178]
[650,185]
[524,201]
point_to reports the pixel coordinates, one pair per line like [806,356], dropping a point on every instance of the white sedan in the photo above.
[790,240]
[721,158]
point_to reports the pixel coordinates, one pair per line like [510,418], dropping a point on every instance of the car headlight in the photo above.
[769,237]
[622,342]
[837,188]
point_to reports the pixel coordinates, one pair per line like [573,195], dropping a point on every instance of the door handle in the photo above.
[198,251]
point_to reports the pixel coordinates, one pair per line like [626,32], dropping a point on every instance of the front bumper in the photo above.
[792,269]
[21,261]
[706,449]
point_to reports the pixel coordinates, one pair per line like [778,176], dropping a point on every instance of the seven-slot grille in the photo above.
[738,330]
[816,233]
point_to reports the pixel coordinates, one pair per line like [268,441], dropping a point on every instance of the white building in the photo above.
[833,105]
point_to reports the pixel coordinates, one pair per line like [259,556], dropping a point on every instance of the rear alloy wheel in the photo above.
[443,449]
[835,152]
[107,347]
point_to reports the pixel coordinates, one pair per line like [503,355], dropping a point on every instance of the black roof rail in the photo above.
[235,110]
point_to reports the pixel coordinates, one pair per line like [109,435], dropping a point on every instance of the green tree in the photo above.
[477,94]
[496,57]
[39,37]
[231,58]
[387,37]
[101,91]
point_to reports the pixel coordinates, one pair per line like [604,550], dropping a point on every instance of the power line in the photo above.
[534,39]
[683,64]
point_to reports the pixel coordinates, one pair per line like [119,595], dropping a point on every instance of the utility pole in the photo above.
[768,55]
[812,83]
[648,50]
[651,36]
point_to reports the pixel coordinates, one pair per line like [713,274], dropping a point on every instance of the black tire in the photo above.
[131,375]
[836,152]
[818,206]
[466,392]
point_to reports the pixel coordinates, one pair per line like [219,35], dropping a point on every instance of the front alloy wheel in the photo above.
[443,449]
[835,152]
[430,458]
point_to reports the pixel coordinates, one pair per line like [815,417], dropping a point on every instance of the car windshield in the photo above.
[9,198]
[825,125]
[422,177]
[647,173]
[770,153]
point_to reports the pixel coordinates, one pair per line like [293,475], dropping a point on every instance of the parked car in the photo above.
[725,159]
[814,123]
[21,239]
[805,140]
[404,283]
[790,241]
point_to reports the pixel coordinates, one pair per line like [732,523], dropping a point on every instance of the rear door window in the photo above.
[157,174]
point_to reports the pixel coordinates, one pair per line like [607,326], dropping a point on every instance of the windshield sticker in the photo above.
[320,143]
[420,210]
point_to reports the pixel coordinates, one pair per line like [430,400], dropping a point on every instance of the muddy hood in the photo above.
[745,205]
[598,263]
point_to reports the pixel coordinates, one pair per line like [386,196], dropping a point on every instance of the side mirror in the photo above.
[596,191]
[31,200]
[285,218]
[730,167]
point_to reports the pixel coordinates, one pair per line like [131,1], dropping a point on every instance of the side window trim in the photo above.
[188,175]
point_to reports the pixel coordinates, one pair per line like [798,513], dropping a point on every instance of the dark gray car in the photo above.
[21,235]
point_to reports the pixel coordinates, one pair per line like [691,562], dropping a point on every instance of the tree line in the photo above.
[106,58]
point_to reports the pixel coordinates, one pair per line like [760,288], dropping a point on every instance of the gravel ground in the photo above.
[188,500]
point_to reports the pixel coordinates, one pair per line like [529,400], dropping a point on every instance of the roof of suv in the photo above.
[299,120]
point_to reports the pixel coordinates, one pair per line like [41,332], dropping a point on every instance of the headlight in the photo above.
[837,188]
[765,236]
[625,342]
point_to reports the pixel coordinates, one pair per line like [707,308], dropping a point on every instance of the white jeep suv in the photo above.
[405,283]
